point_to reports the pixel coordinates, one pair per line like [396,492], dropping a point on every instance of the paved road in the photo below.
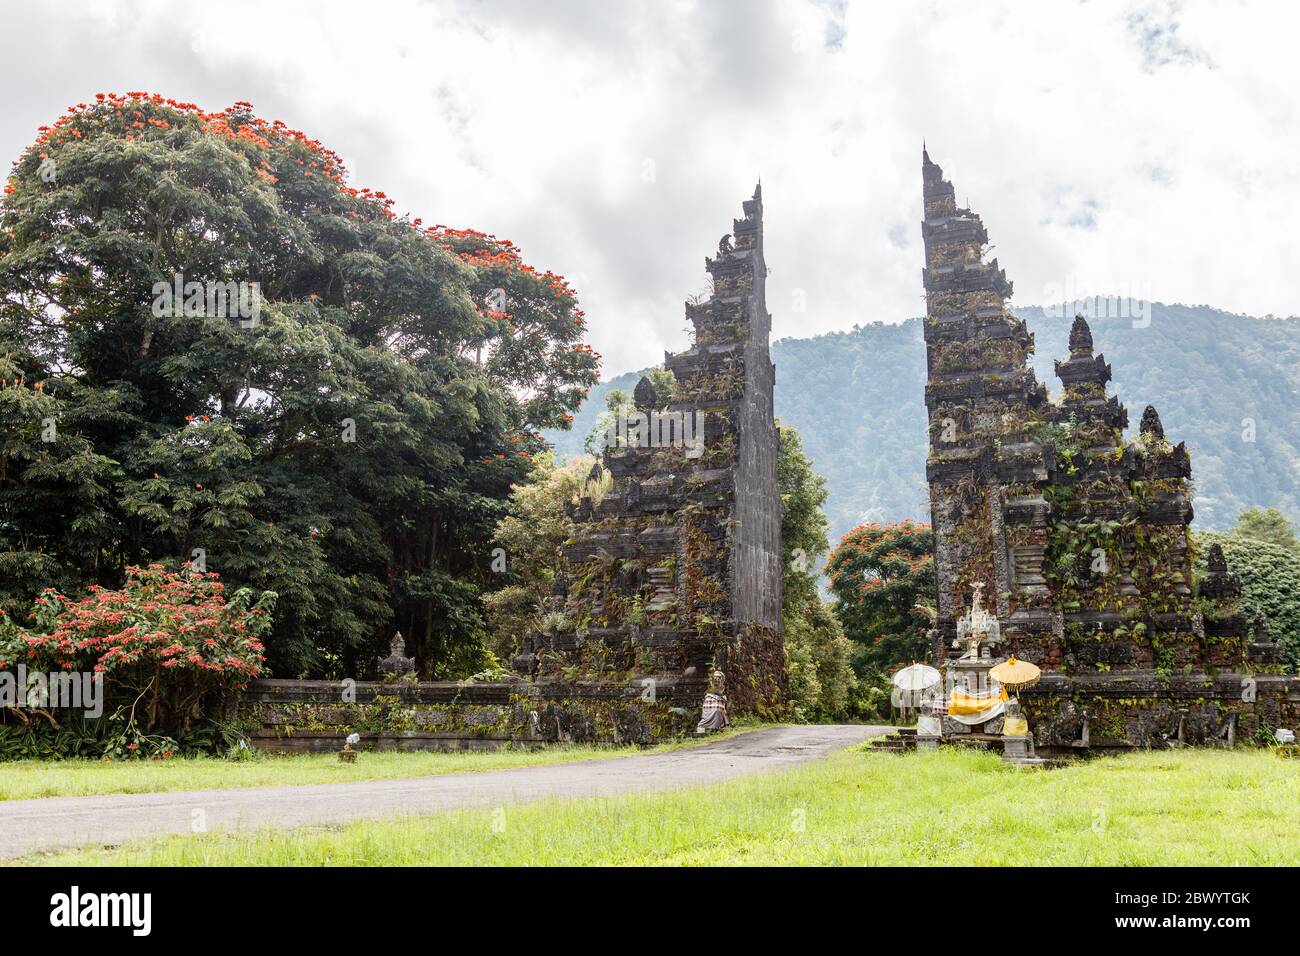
[28,826]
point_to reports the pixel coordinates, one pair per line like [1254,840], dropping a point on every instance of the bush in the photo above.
[170,645]
[1270,585]
[818,665]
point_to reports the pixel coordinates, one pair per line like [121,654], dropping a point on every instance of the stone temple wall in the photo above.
[1080,538]
[673,571]
[756,559]
[674,568]
[307,716]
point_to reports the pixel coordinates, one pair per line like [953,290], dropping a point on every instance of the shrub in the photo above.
[170,645]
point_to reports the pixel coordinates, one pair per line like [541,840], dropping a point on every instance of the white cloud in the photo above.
[1118,145]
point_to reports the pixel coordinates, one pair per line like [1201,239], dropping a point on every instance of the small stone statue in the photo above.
[978,628]
[1015,724]
[725,247]
[396,665]
[1151,423]
[347,754]
[714,717]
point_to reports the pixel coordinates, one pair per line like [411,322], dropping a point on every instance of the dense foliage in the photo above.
[1223,383]
[529,539]
[821,680]
[879,573]
[1270,584]
[168,647]
[350,447]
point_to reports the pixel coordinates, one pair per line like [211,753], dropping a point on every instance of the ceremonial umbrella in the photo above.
[1015,675]
[912,682]
[917,677]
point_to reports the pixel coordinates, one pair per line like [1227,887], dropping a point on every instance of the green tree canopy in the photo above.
[878,573]
[817,654]
[1270,585]
[1267,525]
[349,447]
[530,538]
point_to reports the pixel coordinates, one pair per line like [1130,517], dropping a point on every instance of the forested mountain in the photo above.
[856,397]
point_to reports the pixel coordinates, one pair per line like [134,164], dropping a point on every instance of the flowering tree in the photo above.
[532,340]
[169,645]
[879,572]
[351,447]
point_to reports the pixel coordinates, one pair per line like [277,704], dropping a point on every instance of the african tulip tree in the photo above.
[878,573]
[350,449]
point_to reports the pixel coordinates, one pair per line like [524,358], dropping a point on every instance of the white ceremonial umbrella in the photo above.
[911,684]
[917,678]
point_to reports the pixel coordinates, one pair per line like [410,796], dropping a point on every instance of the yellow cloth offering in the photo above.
[1015,727]
[963,703]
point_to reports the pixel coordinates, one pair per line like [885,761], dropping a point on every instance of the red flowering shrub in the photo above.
[171,645]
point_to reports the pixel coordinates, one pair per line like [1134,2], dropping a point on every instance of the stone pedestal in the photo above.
[972,676]
[1020,751]
[1017,748]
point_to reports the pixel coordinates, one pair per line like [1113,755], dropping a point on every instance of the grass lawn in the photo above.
[28,779]
[1171,808]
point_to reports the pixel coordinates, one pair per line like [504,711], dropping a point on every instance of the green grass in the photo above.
[1172,808]
[29,779]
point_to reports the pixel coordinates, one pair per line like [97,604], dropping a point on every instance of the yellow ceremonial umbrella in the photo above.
[1016,675]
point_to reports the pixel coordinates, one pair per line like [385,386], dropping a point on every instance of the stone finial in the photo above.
[644,394]
[1151,423]
[758,190]
[725,248]
[1219,584]
[397,664]
[1260,625]
[1080,336]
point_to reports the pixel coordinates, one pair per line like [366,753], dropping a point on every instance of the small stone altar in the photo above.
[974,702]
[397,666]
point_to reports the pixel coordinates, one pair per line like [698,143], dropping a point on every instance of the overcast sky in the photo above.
[1150,149]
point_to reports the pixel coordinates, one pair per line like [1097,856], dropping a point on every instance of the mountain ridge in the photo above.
[1225,383]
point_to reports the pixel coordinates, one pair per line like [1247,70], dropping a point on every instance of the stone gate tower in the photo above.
[1079,538]
[674,569]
